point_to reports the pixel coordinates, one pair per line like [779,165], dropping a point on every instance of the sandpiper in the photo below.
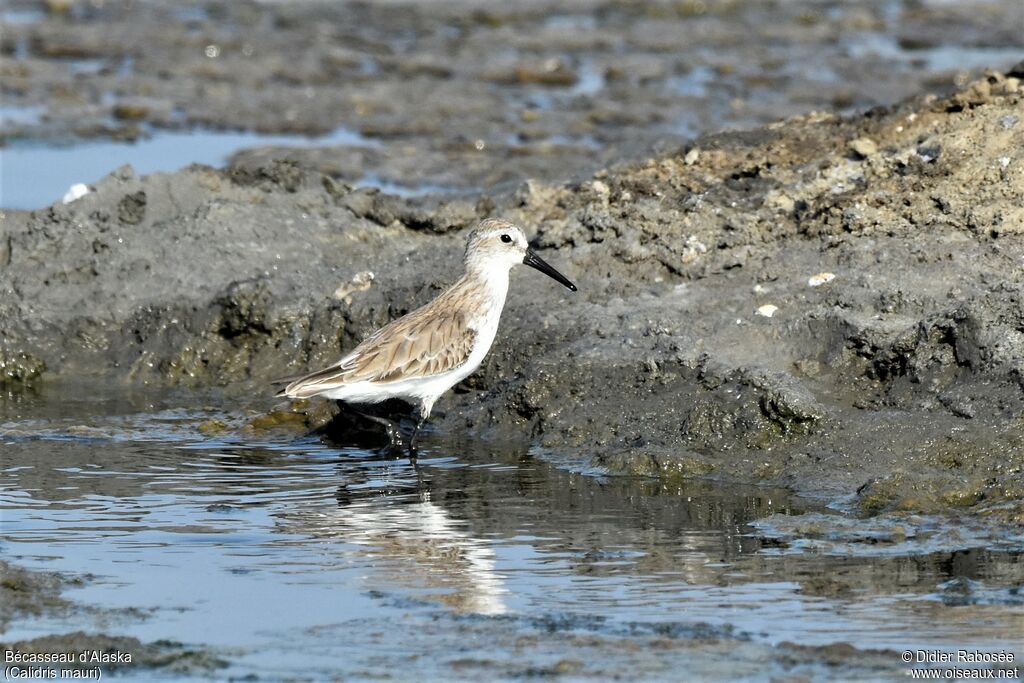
[425,353]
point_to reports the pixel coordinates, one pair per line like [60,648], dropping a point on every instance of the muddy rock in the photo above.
[23,592]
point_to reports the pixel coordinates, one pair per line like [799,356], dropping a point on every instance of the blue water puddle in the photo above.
[11,115]
[571,22]
[21,16]
[86,66]
[694,83]
[939,58]
[586,141]
[591,80]
[33,175]
[414,190]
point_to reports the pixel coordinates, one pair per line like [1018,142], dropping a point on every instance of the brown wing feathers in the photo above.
[420,344]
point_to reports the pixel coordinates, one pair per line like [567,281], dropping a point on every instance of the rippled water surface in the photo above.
[292,558]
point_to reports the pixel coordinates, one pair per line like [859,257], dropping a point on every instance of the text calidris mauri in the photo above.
[425,353]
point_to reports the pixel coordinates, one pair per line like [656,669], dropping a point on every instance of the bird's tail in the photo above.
[284,381]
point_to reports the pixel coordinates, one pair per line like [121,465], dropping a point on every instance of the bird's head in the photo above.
[497,245]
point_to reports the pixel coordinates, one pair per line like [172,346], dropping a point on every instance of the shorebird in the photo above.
[423,354]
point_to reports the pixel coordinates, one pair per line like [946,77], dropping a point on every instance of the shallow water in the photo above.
[293,558]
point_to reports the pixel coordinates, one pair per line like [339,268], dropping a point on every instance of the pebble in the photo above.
[820,279]
[76,191]
[768,310]
[691,157]
[863,147]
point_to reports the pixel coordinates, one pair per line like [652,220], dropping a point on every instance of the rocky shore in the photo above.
[828,303]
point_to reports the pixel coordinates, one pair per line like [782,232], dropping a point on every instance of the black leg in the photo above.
[416,431]
[422,418]
[412,440]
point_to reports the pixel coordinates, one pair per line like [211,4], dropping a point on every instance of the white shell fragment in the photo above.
[768,310]
[820,279]
[76,191]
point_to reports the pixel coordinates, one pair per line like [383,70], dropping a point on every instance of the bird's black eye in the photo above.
[506,238]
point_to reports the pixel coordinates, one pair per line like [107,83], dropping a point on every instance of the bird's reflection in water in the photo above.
[411,542]
[435,528]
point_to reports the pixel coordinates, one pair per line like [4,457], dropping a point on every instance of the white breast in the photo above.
[428,389]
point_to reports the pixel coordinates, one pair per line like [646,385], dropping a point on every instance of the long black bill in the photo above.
[531,259]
